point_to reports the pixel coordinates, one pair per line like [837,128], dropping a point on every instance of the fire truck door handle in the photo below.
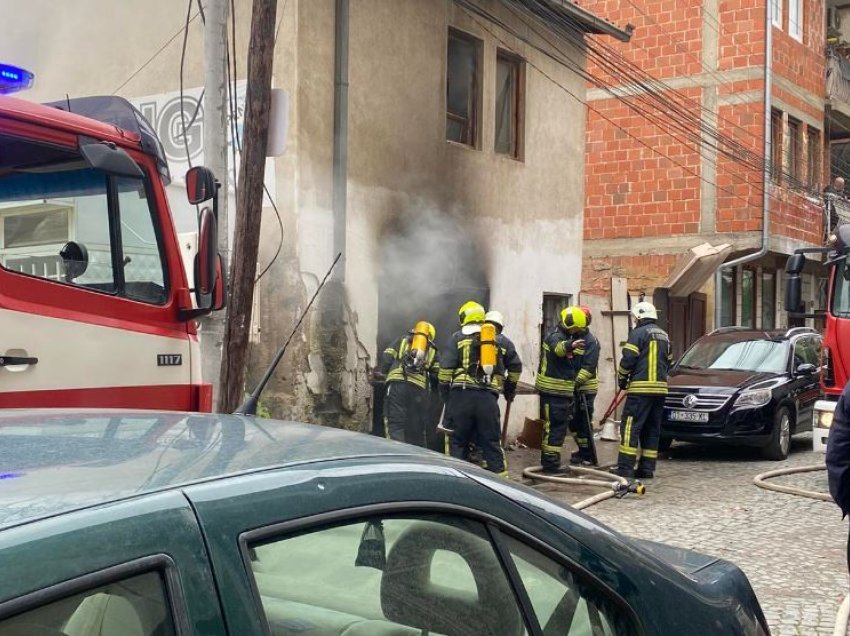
[10,361]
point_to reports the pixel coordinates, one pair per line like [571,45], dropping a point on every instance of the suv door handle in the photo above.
[10,361]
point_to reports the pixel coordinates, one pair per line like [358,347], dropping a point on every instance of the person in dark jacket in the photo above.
[586,360]
[838,457]
[472,406]
[555,383]
[411,373]
[644,363]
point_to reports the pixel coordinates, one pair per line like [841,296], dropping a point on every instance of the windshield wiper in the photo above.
[687,366]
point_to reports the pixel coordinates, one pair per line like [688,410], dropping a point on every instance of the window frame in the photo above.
[733,297]
[813,157]
[771,275]
[795,29]
[776,145]
[493,526]
[160,564]
[795,147]
[476,92]
[753,304]
[517,133]
[776,18]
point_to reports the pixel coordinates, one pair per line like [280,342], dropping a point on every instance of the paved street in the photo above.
[791,548]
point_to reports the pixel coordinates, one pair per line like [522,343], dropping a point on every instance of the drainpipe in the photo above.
[340,144]
[765,221]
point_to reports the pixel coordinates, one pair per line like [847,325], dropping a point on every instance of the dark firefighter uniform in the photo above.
[405,404]
[646,357]
[472,406]
[586,361]
[838,457]
[555,383]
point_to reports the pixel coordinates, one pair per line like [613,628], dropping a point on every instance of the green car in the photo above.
[153,524]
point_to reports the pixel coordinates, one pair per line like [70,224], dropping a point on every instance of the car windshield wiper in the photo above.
[687,366]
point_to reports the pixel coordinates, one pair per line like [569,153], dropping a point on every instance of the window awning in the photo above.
[695,267]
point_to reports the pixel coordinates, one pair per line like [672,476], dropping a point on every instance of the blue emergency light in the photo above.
[14,79]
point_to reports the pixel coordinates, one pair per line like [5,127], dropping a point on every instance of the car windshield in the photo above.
[765,356]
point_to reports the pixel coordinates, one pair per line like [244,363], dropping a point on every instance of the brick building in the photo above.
[655,189]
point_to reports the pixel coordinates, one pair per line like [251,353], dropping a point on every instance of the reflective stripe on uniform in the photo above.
[653,361]
[554,385]
[630,347]
[561,348]
[645,387]
[649,454]
[625,445]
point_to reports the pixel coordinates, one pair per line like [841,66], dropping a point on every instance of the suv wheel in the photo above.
[780,439]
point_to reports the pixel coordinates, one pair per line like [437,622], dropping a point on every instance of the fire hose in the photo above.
[615,485]
[843,615]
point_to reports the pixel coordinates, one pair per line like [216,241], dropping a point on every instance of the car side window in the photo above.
[807,351]
[399,575]
[135,606]
[144,278]
[563,603]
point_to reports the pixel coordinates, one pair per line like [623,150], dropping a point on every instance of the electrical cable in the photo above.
[182,64]
[152,57]
[662,125]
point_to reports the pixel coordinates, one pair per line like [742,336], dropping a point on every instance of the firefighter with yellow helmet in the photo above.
[556,383]
[411,367]
[475,368]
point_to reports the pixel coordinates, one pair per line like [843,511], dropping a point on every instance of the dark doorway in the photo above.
[682,318]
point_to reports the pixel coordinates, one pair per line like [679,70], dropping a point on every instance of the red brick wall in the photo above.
[643,271]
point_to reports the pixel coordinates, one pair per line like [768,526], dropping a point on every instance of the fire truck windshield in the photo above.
[64,221]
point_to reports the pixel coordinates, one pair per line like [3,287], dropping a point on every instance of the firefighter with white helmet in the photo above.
[474,369]
[411,366]
[642,373]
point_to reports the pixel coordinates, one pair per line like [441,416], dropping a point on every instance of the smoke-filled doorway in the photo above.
[430,264]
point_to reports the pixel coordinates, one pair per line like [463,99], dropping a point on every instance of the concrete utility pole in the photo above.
[215,158]
[249,208]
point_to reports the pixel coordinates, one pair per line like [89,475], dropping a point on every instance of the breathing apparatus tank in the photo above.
[488,350]
[422,333]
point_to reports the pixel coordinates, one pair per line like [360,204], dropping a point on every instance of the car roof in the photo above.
[56,461]
[737,334]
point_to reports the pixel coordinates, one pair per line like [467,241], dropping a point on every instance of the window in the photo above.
[748,298]
[143,269]
[136,605]
[807,351]
[432,573]
[509,104]
[552,306]
[768,300]
[462,88]
[80,226]
[562,603]
[794,163]
[813,158]
[727,298]
[795,19]
[776,13]
[776,146]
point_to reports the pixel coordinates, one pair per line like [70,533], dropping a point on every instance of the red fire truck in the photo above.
[96,309]
[835,356]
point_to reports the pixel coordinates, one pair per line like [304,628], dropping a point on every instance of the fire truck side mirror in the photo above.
[200,185]
[207,263]
[794,283]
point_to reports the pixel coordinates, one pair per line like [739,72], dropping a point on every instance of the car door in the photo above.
[136,568]
[392,548]
[806,350]
[88,287]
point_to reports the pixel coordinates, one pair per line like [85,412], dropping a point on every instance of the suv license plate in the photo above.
[688,416]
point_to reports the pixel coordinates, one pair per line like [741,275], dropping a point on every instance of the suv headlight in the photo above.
[754,397]
[824,419]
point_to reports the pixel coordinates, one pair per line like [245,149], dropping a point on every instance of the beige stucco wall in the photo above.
[525,217]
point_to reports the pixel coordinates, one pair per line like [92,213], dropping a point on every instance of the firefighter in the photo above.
[474,369]
[585,359]
[411,367]
[645,359]
[555,383]
[838,457]
[508,351]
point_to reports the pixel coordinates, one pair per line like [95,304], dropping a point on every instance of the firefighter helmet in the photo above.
[644,310]
[470,313]
[573,318]
[587,313]
[496,318]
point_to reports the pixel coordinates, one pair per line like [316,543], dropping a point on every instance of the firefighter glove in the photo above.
[623,383]
[510,391]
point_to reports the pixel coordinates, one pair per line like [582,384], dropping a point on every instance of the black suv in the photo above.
[744,387]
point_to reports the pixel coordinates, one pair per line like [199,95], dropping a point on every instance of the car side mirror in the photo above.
[201,185]
[807,369]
